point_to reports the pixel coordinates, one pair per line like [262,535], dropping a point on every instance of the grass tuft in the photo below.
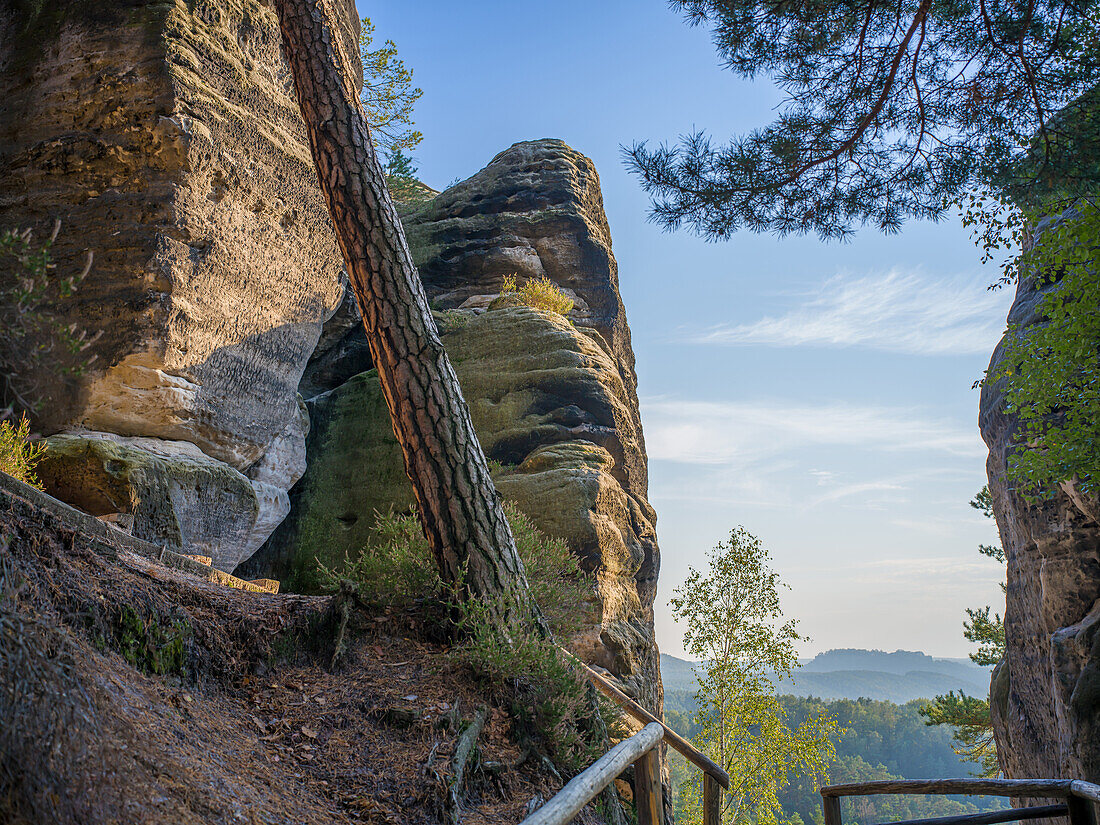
[18,455]
[539,293]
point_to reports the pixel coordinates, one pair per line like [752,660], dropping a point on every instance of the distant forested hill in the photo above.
[874,695]
[883,740]
[900,676]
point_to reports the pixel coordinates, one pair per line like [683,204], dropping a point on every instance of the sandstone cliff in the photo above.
[166,138]
[1045,695]
[554,400]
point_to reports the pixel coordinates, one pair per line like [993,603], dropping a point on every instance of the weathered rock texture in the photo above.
[166,138]
[554,401]
[174,493]
[1045,695]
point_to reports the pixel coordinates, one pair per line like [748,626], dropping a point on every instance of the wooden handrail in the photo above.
[689,751]
[1081,798]
[1060,788]
[1085,790]
[996,817]
[584,787]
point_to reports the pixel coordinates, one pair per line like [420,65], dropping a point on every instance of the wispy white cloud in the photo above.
[862,489]
[903,312]
[907,571]
[699,432]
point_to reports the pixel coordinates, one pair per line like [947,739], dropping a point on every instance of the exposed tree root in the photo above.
[464,750]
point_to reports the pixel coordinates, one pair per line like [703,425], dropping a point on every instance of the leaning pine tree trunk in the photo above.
[460,508]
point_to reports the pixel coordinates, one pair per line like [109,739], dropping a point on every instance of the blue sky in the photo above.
[819,394]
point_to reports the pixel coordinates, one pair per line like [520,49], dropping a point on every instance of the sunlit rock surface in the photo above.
[166,138]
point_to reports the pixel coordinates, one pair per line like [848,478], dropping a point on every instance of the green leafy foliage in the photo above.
[18,454]
[1050,372]
[874,740]
[34,345]
[735,628]
[398,570]
[388,93]
[892,109]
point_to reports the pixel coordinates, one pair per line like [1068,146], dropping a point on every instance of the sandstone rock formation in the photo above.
[1045,696]
[175,494]
[166,138]
[554,401]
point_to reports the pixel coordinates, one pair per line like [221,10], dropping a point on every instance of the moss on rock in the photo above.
[355,469]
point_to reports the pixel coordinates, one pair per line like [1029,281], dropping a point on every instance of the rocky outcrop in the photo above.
[166,139]
[1045,696]
[535,211]
[553,400]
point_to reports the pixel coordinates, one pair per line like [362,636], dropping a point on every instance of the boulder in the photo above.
[174,494]
[1046,714]
[166,138]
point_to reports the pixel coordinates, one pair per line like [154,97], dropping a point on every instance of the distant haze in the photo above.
[899,677]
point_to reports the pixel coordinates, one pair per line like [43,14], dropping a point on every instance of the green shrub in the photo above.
[34,344]
[548,698]
[398,570]
[555,711]
[539,294]
[18,455]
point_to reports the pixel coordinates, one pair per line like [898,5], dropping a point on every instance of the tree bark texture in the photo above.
[460,509]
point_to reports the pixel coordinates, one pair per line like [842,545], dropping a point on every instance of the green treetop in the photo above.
[735,628]
[388,93]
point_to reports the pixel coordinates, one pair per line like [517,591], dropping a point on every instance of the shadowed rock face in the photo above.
[1045,695]
[554,401]
[166,138]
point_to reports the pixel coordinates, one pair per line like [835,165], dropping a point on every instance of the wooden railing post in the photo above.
[712,801]
[831,805]
[647,789]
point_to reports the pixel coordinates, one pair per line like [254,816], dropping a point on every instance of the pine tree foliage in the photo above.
[973,734]
[388,93]
[735,628]
[405,188]
[894,108]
